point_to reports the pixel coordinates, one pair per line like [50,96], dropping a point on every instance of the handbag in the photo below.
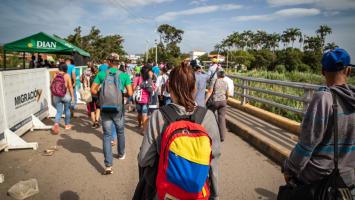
[332,187]
[85,95]
[210,101]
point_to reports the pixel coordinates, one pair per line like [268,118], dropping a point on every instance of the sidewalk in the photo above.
[74,171]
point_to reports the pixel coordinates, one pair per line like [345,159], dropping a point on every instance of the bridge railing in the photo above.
[255,89]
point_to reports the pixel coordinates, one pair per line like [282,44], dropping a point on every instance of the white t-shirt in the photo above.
[160,81]
[230,83]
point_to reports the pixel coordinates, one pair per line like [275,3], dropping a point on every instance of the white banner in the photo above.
[25,94]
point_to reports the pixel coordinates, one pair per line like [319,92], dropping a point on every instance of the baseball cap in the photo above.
[215,60]
[113,57]
[336,60]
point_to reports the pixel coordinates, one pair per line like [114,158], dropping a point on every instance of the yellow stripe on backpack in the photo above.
[190,148]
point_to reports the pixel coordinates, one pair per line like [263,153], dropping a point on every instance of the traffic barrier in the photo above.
[24,102]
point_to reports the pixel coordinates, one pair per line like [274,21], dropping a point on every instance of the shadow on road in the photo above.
[69,195]
[266,193]
[82,147]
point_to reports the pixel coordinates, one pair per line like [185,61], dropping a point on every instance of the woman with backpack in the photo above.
[179,154]
[63,96]
[216,100]
[143,87]
[93,107]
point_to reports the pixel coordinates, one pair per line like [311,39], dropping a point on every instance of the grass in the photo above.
[287,76]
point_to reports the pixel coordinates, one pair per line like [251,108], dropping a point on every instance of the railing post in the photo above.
[244,84]
[306,98]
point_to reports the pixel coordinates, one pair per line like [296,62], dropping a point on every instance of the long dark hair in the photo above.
[145,72]
[182,83]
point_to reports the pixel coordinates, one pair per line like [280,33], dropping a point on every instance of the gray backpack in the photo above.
[111,98]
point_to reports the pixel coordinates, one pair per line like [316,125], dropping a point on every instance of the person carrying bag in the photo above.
[331,187]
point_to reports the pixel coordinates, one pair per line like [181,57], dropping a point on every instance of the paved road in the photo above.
[74,172]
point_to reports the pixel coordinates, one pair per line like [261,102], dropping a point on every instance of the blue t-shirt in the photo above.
[156,70]
[201,83]
[103,68]
[71,68]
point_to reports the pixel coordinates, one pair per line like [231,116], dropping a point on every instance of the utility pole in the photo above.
[156,52]
[147,51]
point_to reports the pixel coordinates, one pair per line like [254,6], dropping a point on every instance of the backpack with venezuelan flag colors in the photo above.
[185,157]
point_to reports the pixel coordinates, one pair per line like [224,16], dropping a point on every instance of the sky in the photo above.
[205,22]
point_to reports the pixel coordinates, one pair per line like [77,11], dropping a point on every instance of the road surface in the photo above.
[74,171]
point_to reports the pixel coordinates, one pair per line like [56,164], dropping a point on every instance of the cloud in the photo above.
[131,3]
[198,2]
[168,16]
[281,14]
[323,4]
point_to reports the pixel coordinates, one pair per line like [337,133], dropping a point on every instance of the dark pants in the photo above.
[221,108]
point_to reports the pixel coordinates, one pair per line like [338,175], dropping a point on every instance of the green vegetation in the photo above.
[168,49]
[294,76]
[97,45]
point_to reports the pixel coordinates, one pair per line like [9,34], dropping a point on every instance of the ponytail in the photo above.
[182,84]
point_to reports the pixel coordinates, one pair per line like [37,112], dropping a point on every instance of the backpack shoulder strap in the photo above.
[169,113]
[199,114]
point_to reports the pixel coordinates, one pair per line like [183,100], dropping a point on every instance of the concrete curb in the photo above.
[277,120]
[275,152]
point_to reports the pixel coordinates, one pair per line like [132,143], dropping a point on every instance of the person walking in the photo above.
[73,74]
[217,95]
[201,83]
[182,89]
[93,107]
[112,108]
[326,142]
[162,87]
[63,95]
[145,84]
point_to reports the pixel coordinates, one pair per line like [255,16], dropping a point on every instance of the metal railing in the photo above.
[245,85]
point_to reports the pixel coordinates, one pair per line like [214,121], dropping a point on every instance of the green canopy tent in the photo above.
[45,43]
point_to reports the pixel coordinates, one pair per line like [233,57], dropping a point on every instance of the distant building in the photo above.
[133,57]
[195,54]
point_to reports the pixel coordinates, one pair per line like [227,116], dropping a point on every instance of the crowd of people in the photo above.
[181,115]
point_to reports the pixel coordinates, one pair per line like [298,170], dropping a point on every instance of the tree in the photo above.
[97,45]
[322,32]
[170,37]
[330,46]
[291,34]
[312,43]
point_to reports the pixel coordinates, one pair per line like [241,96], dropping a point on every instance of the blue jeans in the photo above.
[59,103]
[109,120]
[72,106]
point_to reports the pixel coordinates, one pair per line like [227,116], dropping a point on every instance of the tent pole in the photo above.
[23,60]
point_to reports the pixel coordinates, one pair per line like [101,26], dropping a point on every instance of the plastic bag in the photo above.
[24,189]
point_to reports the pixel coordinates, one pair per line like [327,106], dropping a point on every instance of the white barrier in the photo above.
[3,143]
[25,98]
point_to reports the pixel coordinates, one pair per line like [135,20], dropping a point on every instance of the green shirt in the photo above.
[138,69]
[125,79]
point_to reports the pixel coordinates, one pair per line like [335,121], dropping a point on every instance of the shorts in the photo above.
[93,105]
[142,108]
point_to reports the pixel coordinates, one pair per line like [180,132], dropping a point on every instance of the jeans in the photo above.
[110,120]
[221,108]
[72,106]
[59,103]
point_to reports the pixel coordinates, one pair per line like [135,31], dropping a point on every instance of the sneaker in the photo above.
[122,157]
[108,171]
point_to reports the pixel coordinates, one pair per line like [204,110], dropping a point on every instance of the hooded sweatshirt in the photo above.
[151,143]
[312,157]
